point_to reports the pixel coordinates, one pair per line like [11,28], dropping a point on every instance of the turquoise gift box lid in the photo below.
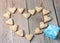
[52,31]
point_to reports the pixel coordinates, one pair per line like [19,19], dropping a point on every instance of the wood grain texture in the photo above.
[9,33]
[57,9]
[34,21]
[5,37]
[45,4]
[2,32]
[49,5]
[8,36]
[21,21]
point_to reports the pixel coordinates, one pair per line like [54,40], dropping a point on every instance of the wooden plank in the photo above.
[34,23]
[10,32]
[48,4]
[57,11]
[4,29]
[21,21]
[8,36]
[4,32]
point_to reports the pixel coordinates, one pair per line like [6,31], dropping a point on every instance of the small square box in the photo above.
[52,31]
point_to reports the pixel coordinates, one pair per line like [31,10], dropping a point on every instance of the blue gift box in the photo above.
[52,31]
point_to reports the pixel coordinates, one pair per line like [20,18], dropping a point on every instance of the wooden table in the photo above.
[8,36]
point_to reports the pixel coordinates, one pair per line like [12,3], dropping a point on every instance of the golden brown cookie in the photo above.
[21,10]
[14,27]
[47,18]
[29,36]
[43,25]
[9,21]
[26,15]
[12,10]
[38,9]
[38,31]
[20,33]
[45,12]
[7,15]
[31,11]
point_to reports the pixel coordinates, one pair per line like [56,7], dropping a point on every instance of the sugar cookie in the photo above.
[29,36]
[47,18]
[20,33]
[43,25]
[9,21]
[12,10]
[7,15]
[14,27]
[21,10]
[45,11]
[31,11]
[38,9]
[38,31]
[26,15]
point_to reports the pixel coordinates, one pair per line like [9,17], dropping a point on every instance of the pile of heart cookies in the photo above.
[31,12]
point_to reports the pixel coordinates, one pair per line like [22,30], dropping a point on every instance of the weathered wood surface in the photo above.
[57,10]
[8,36]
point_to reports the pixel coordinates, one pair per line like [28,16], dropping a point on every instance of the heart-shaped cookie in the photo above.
[38,9]
[7,15]
[9,21]
[47,18]
[45,11]
[38,31]
[26,15]
[43,25]
[20,33]
[12,10]
[29,36]
[21,10]
[14,27]
[31,11]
